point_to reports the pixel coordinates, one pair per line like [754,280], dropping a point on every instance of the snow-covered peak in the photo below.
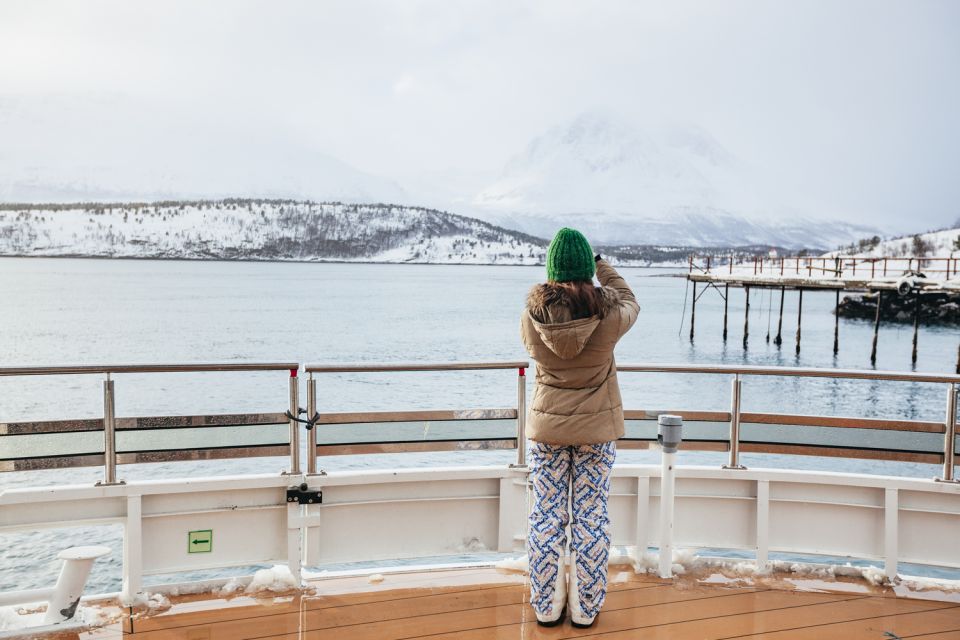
[596,163]
[697,143]
[669,184]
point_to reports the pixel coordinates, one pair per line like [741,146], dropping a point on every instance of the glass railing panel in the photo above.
[430,431]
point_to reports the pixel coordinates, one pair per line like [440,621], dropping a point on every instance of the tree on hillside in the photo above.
[920,246]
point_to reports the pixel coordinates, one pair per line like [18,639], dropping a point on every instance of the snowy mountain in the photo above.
[944,243]
[672,185]
[261,230]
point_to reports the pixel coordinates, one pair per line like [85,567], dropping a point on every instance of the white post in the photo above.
[77,562]
[763,524]
[891,520]
[295,533]
[666,515]
[669,435]
[132,552]
[643,516]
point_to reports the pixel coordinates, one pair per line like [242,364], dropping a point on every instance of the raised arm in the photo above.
[629,308]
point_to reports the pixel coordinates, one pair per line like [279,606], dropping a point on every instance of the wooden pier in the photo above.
[904,276]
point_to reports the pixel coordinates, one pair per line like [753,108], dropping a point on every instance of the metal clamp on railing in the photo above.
[309,423]
[302,494]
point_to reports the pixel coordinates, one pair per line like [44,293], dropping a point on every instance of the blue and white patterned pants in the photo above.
[553,468]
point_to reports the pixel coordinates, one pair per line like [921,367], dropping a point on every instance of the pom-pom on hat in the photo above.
[570,257]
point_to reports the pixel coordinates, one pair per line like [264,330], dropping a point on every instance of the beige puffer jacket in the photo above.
[576,398]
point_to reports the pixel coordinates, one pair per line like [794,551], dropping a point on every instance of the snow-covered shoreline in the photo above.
[279,231]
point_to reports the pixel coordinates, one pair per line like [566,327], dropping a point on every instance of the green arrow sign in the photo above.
[200,541]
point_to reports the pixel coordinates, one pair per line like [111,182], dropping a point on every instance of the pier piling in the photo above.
[836,324]
[726,300]
[769,312]
[746,318]
[799,319]
[693,311]
[916,324]
[779,339]
[876,329]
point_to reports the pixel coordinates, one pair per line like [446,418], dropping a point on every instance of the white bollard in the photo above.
[669,437]
[77,562]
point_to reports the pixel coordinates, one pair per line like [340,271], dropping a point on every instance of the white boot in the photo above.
[559,599]
[573,599]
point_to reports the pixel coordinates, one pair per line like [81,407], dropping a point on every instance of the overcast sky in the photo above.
[854,104]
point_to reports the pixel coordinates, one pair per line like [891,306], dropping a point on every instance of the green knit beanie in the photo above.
[570,257]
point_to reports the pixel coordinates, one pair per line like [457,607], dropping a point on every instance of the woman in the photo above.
[570,328]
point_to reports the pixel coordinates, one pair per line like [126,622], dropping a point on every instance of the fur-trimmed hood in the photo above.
[550,303]
[550,308]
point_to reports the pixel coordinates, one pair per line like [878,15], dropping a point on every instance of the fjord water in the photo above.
[82,311]
[79,311]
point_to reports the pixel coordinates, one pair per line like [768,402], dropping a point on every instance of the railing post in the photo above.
[950,436]
[312,433]
[521,417]
[109,433]
[734,462]
[294,426]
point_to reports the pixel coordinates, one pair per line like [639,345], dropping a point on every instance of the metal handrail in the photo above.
[951,380]
[109,398]
[372,367]
[735,415]
[804,372]
[413,366]
[147,368]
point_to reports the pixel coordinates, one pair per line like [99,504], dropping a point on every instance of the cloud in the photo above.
[849,105]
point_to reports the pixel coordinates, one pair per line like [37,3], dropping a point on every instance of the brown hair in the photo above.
[583,299]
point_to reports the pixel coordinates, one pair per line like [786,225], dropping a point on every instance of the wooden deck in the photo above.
[489,604]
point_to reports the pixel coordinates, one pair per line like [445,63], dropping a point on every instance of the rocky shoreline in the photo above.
[936,308]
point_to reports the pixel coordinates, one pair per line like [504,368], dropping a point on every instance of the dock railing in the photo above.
[940,268]
[67,443]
